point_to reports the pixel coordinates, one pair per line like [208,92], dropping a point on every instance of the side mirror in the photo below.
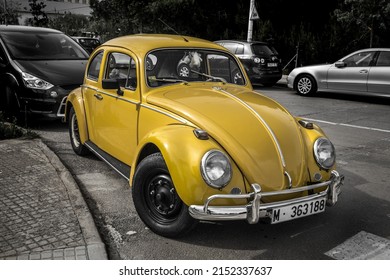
[112,84]
[340,64]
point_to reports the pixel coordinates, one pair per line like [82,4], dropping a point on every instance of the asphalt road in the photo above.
[359,224]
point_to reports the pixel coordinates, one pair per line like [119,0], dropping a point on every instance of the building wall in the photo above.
[54,8]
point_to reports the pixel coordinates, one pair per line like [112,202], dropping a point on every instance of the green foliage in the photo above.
[324,30]
[39,16]
[12,130]
[8,12]
[70,24]
[370,20]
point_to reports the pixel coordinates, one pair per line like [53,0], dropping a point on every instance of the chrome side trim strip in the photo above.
[175,117]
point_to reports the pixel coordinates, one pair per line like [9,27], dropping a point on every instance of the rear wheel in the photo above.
[74,134]
[156,200]
[306,85]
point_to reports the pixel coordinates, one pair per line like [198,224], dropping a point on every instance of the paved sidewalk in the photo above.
[42,212]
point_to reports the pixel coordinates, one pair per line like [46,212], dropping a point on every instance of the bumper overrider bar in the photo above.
[255,209]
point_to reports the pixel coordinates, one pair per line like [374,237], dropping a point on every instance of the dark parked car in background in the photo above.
[38,68]
[261,61]
[89,44]
[364,72]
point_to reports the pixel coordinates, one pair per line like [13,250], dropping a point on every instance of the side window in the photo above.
[122,67]
[360,59]
[383,59]
[94,67]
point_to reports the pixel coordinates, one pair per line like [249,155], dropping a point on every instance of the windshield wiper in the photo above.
[166,80]
[212,78]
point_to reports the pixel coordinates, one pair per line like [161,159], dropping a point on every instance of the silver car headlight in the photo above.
[324,153]
[216,169]
[35,83]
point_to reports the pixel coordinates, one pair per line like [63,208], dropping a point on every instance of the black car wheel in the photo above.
[74,134]
[306,85]
[156,200]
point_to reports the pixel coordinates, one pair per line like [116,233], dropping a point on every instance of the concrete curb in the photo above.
[95,247]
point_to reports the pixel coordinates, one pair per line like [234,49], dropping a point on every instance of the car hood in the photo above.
[56,72]
[313,67]
[260,136]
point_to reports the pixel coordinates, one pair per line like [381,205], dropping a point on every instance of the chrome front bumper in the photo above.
[255,209]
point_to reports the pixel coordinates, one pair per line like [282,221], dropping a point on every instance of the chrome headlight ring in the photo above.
[324,153]
[216,169]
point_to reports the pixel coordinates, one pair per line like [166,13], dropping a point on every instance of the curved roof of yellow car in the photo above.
[143,43]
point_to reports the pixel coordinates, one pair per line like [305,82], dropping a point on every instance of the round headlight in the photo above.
[324,153]
[216,169]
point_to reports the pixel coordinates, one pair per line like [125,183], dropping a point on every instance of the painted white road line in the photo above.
[349,125]
[362,246]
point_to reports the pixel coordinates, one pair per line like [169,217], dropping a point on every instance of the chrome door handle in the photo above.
[98,96]
[364,71]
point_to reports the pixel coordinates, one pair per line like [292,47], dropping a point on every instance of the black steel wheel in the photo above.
[156,200]
[74,134]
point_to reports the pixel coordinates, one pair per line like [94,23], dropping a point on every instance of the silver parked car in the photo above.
[364,72]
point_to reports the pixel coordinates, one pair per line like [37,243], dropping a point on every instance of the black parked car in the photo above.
[261,61]
[38,68]
[89,44]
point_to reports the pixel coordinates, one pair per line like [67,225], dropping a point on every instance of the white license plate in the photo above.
[272,65]
[297,210]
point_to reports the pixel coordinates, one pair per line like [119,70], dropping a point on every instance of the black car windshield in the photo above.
[260,49]
[42,46]
[191,65]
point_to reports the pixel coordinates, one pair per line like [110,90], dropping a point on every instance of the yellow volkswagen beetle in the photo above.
[178,118]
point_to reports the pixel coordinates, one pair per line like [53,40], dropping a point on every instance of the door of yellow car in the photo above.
[92,84]
[115,114]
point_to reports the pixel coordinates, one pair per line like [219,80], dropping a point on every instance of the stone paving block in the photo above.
[34,205]
[37,217]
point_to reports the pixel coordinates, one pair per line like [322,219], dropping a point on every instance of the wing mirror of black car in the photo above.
[112,84]
[340,64]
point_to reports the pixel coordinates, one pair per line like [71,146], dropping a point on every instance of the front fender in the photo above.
[310,136]
[183,153]
[75,100]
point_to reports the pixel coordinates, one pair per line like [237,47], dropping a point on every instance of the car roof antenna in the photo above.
[184,38]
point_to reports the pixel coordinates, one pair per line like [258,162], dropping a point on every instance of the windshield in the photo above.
[191,65]
[42,46]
